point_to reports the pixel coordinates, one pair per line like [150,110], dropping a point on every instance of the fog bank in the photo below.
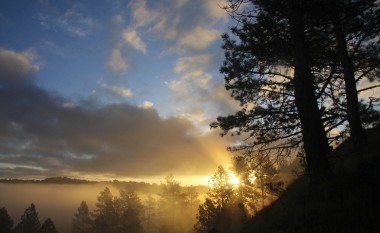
[56,201]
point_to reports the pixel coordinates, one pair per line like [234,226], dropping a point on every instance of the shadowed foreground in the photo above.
[348,203]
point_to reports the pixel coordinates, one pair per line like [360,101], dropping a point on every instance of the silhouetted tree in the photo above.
[269,71]
[105,215]
[356,30]
[313,133]
[353,111]
[6,222]
[82,222]
[351,29]
[221,191]
[221,212]
[348,30]
[247,192]
[29,221]
[48,227]
[207,217]
[130,210]
[267,181]
[261,57]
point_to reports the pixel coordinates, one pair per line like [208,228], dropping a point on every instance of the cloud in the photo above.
[16,66]
[201,98]
[141,15]
[193,73]
[122,140]
[184,25]
[75,22]
[199,38]
[180,3]
[215,8]
[46,135]
[132,38]
[187,64]
[120,91]
[54,48]
[188,23]
[116,61]
[147,104]
[365,84]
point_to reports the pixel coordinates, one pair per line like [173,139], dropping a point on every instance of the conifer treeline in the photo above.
[29,223]
[175,208]
[178,209]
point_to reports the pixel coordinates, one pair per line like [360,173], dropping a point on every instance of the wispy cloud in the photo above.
[177,22]
[132,38]
[193,72]
[120,91]
[199,38]
[141,15]
[76,23]
[53,48]
[201,99]
[116,61]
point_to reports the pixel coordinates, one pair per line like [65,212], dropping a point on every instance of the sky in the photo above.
[112,89]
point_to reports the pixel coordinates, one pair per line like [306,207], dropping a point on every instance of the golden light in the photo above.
[234,180]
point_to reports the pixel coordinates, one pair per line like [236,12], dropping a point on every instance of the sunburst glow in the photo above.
[234,180]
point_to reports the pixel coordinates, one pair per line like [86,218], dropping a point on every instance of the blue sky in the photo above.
[112,88]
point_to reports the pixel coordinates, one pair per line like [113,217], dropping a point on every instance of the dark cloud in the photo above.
[44,134]
[16,67]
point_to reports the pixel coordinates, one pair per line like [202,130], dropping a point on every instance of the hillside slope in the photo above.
[348,203]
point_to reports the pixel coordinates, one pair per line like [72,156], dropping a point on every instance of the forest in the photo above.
[175,208]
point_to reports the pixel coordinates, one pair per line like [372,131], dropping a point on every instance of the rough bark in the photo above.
[314,136]
[353,112]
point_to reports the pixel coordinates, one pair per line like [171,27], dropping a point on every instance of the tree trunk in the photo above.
[314,135]
[353,113]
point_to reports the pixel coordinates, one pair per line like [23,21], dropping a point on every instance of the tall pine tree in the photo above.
[268,69]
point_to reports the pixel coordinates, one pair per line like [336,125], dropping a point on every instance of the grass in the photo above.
[348,203]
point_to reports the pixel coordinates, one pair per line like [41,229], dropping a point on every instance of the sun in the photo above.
[234,180]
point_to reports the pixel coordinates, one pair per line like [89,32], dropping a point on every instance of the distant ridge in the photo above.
[49,180]
[137,186]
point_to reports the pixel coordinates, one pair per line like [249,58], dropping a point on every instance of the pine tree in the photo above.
[48,227]
[247,192]
[130,210]
[82,222]
[221,191]
[221,212]
[105,215]
[269,71]
[29,221]
[6,222]
[294,67]
[207,217]
[314,135]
